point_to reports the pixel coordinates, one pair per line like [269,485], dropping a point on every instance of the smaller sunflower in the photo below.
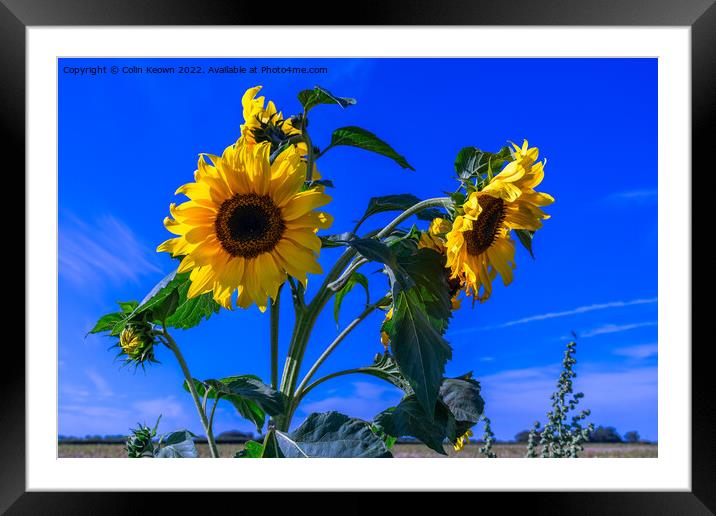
[434,238]
[266,124]
[479,244]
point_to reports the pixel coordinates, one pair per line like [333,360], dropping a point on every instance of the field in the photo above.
[399,450]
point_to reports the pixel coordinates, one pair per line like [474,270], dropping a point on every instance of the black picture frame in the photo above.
[700,15]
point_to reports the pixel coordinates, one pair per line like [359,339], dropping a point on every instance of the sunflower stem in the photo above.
[275,306]
[333,345]
[306,319]
[171,344]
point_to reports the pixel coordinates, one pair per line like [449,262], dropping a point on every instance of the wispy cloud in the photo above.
[365,401]
[101,385]
[565,313]
[168,407]
[631,196]
[105,249]
[638,352]
[615,328]
[626,398]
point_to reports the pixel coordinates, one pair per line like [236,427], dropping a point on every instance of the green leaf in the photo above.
[337,240]
[252,450]
[385,368]
[426,267]
[127,306]
[107,322]
[357,137]
[419,349]
[377,251]
[334,435]
[355,279]
[397,202]
[272,450]
[409,419]
[471,162]
[525,237]
[462,396]
[177,445]
[252,398]
[318,95]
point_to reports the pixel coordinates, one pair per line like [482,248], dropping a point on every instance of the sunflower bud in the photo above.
[140,444]
[136,343]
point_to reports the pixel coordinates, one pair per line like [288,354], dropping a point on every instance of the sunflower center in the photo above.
[249,225]
[485,228]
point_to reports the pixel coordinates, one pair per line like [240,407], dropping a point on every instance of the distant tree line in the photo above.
[601,434]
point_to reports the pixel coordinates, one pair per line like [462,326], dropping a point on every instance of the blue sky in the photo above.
[126,142]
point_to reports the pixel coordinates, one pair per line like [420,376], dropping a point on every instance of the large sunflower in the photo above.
[479,245]
[265,124]
[247,225]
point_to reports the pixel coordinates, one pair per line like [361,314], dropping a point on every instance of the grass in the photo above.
[508,450]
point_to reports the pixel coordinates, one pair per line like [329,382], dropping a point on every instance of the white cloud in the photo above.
[638,352]
[627,398]
[168,407]
[614,328]
[365,401]
[631,196]
[565,313]
[101,385]
[104,250]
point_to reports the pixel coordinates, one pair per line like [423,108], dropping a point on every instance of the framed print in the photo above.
[432,237]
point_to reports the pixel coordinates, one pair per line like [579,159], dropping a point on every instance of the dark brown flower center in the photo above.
[485,228]
[249,225]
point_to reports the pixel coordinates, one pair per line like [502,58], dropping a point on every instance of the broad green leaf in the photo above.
[419,349]
[252,450]
[377,251]
[426,267]
[332,435]
[462,396]
[397,202]
[128,306]
[525,237]
[166,301]
[108,322]
[358,137]
[248,387]
[385,368]
[272,450]
[318,95]
[177,445]
[472,162]
[248,394]
[409,419]
[355,279]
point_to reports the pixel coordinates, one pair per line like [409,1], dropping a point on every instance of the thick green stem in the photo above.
[171,344]
[332,346]
[306,318]
[275,306]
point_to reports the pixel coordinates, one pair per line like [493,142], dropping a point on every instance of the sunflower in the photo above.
[266,124]
[479,245]
[247,225]
[434,238]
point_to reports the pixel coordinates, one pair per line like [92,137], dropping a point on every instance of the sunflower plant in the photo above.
[249,232]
